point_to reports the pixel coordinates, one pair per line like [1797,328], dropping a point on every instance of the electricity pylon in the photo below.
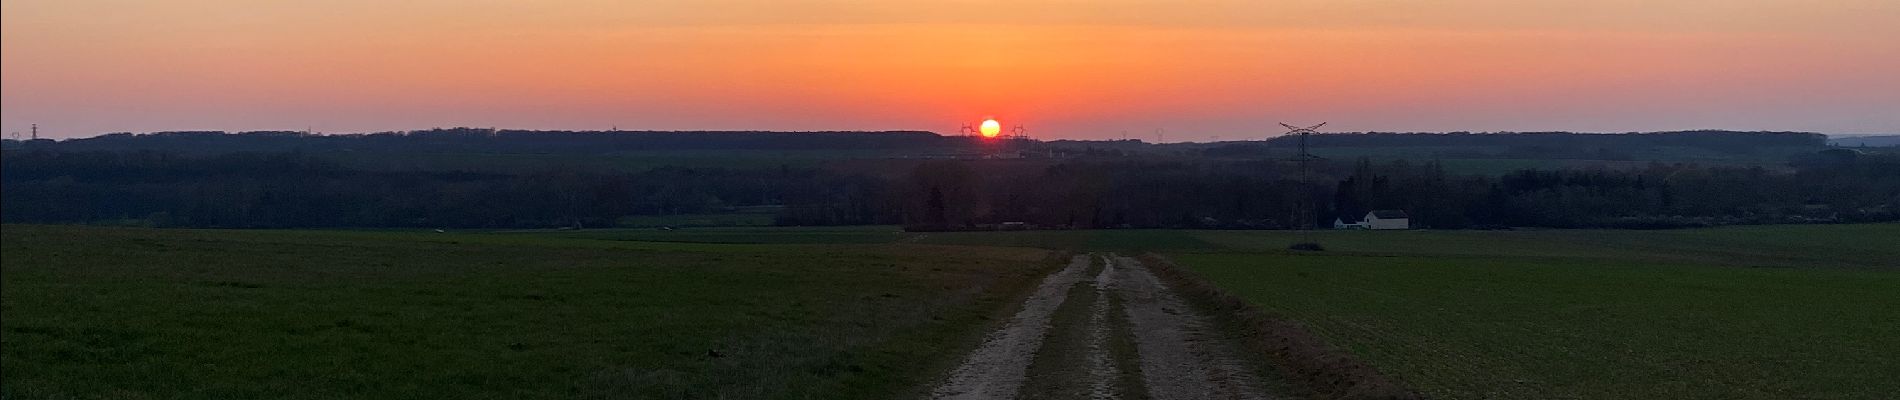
[1306,179]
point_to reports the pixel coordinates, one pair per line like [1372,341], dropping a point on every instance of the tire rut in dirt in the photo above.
[1105,373]
[998,368]
[1181,355]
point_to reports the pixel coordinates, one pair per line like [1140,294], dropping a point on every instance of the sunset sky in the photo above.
[1064,69]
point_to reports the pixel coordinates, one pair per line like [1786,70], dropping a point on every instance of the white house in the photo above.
[1387,219]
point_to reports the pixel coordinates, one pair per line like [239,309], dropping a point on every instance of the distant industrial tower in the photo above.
[36,131]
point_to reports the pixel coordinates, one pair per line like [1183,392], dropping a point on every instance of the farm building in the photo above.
[1377,219]
[1387,219]
[1342,223]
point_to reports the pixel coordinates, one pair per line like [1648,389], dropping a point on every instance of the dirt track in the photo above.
[1171,351]
[997,369]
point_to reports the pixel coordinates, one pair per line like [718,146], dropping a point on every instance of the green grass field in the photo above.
[1472,327]
[1755,312]
[1796,311]
[142,313]
[1770,312]
[1763,312]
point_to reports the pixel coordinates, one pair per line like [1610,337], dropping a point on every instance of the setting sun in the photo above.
[990,128]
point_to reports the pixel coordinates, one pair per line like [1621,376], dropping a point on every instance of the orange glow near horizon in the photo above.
[990,128]
[1196,68]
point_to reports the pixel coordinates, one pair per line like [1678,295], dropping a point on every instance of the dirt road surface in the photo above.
[997,369]
[1134,338]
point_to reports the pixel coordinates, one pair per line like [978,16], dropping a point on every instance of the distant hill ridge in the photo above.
[1697,138]
[502,141]
[485,140]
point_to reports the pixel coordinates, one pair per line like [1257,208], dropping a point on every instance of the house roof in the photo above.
[1388,214]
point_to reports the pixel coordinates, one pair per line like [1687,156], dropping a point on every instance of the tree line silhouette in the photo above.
[291,181]
[285,190]
[1271,195]
[489,140]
